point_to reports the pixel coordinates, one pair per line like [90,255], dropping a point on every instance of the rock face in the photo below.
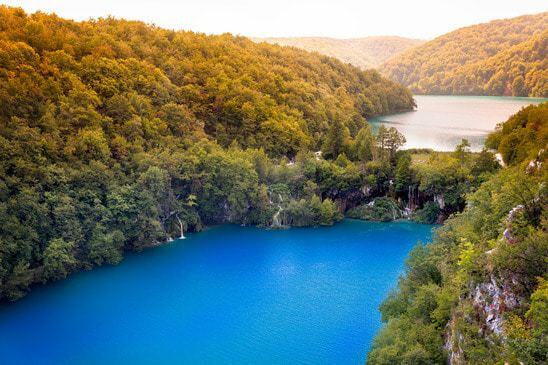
[439,199]
[453,341]
[350,199]
[507,234]
[491,300]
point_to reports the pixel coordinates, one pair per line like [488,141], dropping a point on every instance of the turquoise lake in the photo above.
[229,295]
[441,122]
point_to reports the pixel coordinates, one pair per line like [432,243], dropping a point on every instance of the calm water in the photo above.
[230,295]
[441,122]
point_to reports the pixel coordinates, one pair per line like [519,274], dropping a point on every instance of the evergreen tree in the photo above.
[337,139]
[364,144]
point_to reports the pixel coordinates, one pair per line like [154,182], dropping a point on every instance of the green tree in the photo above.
[105,247]
[462,151]
[18,282]
[403,176]
[364,144]
[389,140]
[337,139]
[329,213]
[538,310]
[58,259]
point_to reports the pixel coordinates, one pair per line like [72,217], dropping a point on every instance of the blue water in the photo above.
[229,295]
[441,122]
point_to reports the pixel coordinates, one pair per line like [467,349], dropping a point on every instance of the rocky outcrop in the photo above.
[536,164]
[453,344]
[348,199]
[507,234]
[440,200]
[491,299]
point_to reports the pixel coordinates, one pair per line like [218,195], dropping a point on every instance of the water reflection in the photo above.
[441,122]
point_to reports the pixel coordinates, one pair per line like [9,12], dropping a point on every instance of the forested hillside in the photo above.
[478,293]
[367,52]
[503,57]
[260,95]
[116,135]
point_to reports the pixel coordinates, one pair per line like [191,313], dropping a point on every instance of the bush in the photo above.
[380,209]
[428,214]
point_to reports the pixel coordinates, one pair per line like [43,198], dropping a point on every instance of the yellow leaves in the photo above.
[468,261]
[482,59]
[117,75]
[516,328]
[15,54]
[467,253]
[191,200]
[282,135]
[91,144]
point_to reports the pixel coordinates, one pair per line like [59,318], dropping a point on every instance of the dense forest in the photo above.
[503,57]
[266,96]
[365,53]
[116,136]
[478,294]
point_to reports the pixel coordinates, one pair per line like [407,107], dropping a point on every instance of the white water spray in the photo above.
[181,226]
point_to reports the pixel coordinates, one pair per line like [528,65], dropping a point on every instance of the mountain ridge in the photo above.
[362,52]
[502,57]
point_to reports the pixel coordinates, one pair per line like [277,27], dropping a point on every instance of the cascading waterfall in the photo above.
[276,223]
[181,227]
[275,219]
[412,200]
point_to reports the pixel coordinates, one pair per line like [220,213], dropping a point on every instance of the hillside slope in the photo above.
[367,52]
[503,57]
[260,95]
[116,135]
[478,293]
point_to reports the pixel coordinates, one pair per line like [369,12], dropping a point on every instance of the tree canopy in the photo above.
[117,135]
[261,95]
[502,57]
[475,294]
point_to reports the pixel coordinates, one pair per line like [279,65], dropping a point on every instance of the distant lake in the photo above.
[441,122]
[229,295]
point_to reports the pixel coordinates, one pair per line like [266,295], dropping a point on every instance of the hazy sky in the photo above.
[336,18]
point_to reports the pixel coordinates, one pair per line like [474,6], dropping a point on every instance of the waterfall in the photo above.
[181,227]
[276,222]
[409,197]
[412,199]
[275,219]
[438,198]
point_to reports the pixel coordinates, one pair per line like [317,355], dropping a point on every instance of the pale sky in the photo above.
[263,18]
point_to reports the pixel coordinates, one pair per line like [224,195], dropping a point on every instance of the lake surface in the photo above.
[441,122]
[229,295]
